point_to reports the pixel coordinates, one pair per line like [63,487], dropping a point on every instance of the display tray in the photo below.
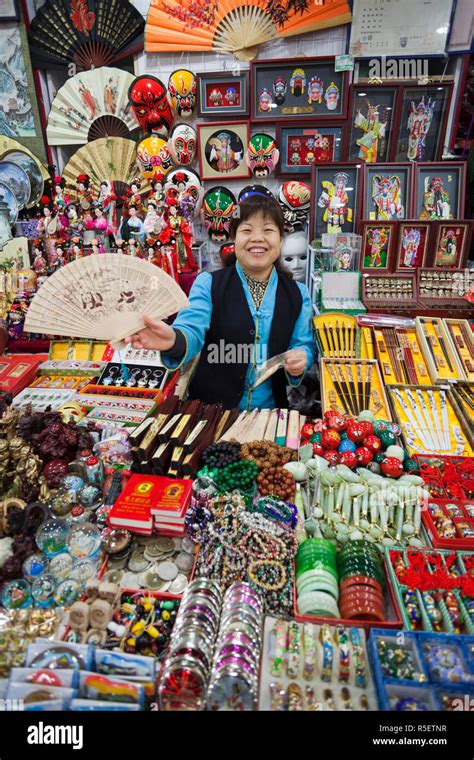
[337,335]
[400,356]
[70,367]
[446,476]
[394,292]
[463,396]
[429,420]
[16,372]
[79,350]
[61,381]
[351,385]
[393,619]
[165,594]
[442,288]
[422,602]
[453,516]
[440,355]
[462,339]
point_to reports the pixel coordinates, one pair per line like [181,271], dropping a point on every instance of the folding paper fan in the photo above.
[112,158]
[235,25]
[91,105]
[103,297]
[89,33]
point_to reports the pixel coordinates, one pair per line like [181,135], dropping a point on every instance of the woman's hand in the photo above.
[296,361]
[156,335]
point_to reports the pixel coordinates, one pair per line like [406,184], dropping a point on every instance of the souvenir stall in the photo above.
[164,552]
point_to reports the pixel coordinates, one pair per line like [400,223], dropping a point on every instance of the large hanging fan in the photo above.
[89,33]
[235,25]
[91,105]
[112,158]
[103,297]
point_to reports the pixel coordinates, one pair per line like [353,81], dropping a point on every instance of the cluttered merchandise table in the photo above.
[166,551]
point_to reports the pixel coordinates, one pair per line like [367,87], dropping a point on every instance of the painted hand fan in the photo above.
[92,105]
[103,297]
[235,25]
[90,33]
[11,150]
[112,158]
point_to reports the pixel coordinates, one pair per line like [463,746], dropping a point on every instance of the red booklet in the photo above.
[171,498]
[132,509]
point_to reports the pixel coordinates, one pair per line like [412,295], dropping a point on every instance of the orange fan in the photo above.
[236,26]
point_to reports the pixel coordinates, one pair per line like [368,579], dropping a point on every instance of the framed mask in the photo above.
[262,155]
[222,94]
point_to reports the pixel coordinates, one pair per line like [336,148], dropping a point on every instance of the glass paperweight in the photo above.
[72,484]
[43,590]
[16,595]
[61,504]
[67,593]
[89,496]
[51,536]
[61,565]
[34,565]
[83,541]
[83,570]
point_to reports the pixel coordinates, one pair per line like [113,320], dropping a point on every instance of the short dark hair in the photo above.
[270,209]
[255,204]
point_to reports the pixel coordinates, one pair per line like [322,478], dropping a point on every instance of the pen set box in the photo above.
[463,342]
[429,420]
[401,358]
[350,386]
[440,354]
[337,335]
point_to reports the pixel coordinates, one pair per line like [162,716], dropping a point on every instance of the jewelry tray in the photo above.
[402,299]
[438,275]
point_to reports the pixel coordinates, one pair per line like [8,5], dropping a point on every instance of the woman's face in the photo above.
[257,243]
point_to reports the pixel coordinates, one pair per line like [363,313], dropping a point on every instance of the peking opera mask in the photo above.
[294,199]
[262,155]
[182,144]
[218,207]
[149,103]
[153,156]
[182,93]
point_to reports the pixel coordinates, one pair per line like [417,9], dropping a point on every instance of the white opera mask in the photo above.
[182,144]
[294,252]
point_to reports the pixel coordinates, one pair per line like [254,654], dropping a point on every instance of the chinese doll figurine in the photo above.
[59,258]
[75,252]
[386,197]
[134,248]
[107,201]
[418,125]
[134,192]
[373,130]
[74,223]
[89,228]
[60,198]
[436,202]
[153,222]
[102,227]
[410,244]
[84,191]
[157,195]
[377,239]
[39,261]
[132,225]
[180,231]
[335,201]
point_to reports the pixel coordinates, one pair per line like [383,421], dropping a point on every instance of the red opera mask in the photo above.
[149,103]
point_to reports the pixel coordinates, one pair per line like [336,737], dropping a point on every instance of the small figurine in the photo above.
[84,191]
[39,261]
[436,201]
[373,130]
[418,125]
[335,200]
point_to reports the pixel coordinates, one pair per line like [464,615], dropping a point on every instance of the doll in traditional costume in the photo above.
[40,264]
[153,222]
[418,125]
[102,227]
[373,129]
[60,198]
[335,200]
[436,201]
[74,222]
[132,226]
[386,193]
[84,191]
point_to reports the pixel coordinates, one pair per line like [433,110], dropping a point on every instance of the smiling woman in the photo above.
[253,300]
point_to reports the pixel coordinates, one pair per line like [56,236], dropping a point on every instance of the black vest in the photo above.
[232,323]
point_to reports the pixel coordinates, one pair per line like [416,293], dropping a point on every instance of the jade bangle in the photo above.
[310,565]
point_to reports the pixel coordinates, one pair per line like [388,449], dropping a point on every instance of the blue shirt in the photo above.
[195,319]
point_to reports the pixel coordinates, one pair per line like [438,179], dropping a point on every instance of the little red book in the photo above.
[172,498]
[132,509]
